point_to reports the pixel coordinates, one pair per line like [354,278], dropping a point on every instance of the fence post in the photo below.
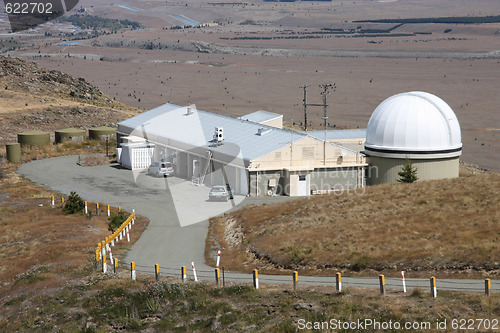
[97,209]
[381,279]
[487,287]
[256,279]
[104,266]
[194,272]
[157,272]
[128,236]
[338,283]
[132,270]
[110,255]
[295,276]
[133,218]
[115,265]
[108,211]
[217,276]
[103,247]
[97,258]
[183,273]
[86,210]
[404,282]
[433,287]
[52,202]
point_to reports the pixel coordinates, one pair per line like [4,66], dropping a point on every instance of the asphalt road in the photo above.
[178,212]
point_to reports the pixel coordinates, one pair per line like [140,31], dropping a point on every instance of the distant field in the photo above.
[447,228]
[261,53]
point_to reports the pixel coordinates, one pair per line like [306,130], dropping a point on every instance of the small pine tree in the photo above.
[74,204]
[116,220]
[408,172]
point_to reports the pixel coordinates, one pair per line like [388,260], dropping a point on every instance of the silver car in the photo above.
[161,169]
[219,192]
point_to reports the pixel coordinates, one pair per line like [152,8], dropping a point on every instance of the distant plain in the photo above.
[267,64]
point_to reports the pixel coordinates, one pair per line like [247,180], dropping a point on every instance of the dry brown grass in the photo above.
[449,226]
[42,248]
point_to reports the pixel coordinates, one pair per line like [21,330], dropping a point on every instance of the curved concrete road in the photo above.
[178,212]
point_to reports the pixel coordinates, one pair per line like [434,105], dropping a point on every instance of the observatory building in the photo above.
[415,125]
[253,154]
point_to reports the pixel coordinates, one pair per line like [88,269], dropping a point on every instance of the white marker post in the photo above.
[404,282]
[218,258]
[183,273]
[108,211]
[128,236]
[133,214]
[104,265]
[338,282]
[194,272]
[86,210]
[132,270]
[111,255]
[52,202]
[433,287]
[256,279]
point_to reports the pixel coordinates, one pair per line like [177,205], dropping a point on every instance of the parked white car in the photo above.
[219,192]
[161,169]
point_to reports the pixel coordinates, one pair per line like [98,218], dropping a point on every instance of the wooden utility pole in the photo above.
[326,87]
[305,106]
[325,92]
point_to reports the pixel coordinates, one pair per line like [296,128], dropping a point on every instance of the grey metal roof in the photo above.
[170,122]
[338,134]
[260,116]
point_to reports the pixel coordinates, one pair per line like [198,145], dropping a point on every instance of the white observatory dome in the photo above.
[413,123]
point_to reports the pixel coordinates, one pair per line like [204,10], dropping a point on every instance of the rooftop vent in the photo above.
[263,130]
[189,110]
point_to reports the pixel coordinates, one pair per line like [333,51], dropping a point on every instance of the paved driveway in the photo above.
[178,210]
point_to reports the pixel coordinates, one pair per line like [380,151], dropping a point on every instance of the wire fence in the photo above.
[104,248]
[224,278]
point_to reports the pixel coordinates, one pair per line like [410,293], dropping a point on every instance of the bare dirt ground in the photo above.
[220,69]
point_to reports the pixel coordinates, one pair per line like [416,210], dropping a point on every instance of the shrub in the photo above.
[116,220]
[74,204]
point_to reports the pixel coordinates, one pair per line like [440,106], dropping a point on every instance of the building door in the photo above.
[302,185]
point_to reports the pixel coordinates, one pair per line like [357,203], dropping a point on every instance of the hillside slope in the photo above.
[33,97]
[447,226]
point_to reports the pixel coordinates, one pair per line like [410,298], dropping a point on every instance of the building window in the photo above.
[308,152]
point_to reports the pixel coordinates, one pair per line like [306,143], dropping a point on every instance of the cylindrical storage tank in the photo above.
[34,138]
[100,133]
[13,152]
[70,134]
